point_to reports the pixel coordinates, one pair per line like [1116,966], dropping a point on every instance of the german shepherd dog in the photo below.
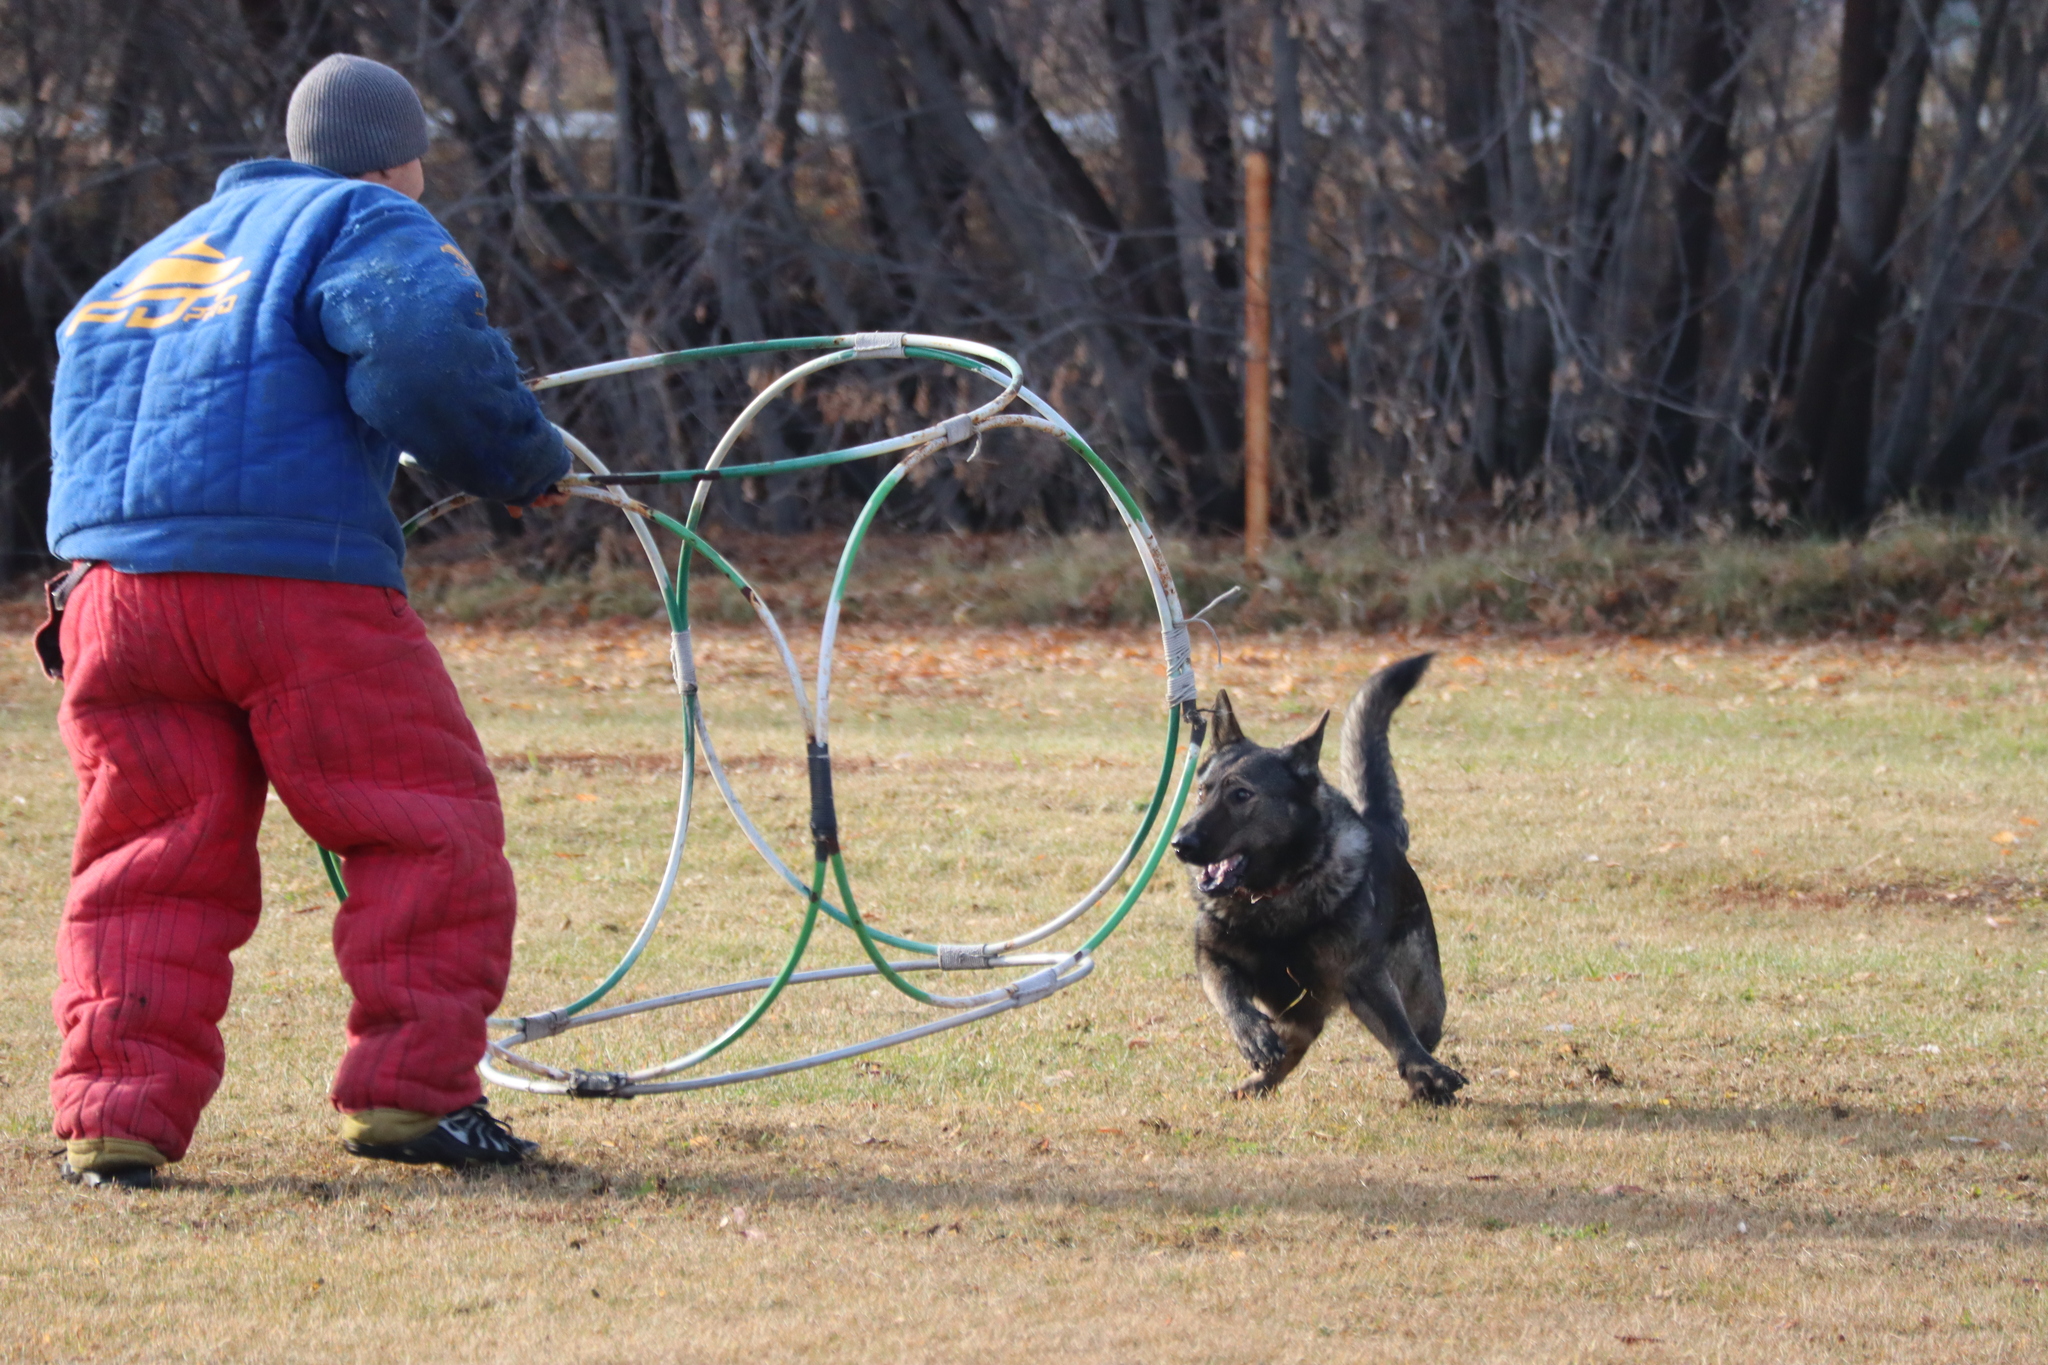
[1305,899]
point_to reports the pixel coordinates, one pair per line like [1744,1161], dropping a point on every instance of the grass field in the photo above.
[1747,951]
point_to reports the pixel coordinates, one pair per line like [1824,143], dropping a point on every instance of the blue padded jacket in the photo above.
[233,398]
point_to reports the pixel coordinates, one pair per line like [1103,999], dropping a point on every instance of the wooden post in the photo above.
[1258,361]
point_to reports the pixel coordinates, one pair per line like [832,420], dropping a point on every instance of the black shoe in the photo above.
[127,1177]
[471,1136]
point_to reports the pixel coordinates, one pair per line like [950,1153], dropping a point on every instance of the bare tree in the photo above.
[1654,264]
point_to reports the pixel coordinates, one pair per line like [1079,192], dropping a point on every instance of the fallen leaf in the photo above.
[2005,836]
[586,796]
[1137,1042]
[1999,921]
[2030,822]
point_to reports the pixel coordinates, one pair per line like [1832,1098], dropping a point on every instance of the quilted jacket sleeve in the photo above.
[399,301]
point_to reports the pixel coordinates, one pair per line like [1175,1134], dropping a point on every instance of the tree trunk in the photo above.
[1719,35]
[1469,74]
[1297,339]
[1118,315]
[1598,159]
[1530,343]
[1906,437]
[1997,367]
[904,200]
[1828,447]
[1150,253]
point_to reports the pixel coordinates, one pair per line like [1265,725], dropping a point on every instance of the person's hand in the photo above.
[554,497]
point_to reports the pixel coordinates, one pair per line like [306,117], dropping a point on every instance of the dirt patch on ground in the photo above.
[585,764]
[588,764]
[2015,900]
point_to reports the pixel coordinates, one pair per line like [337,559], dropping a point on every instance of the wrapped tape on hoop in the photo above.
[964,957]
[1180,672]
[683,663]
[878,345]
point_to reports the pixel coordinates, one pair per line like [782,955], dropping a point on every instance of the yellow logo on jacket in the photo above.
[190,284]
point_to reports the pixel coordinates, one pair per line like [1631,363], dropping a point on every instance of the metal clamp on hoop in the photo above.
[955,430]
[599,1085]
[534,1027]
[1036,986]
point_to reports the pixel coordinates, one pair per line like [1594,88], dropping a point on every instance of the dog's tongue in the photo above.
[1222,876]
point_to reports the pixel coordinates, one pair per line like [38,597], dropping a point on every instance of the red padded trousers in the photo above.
[184,695]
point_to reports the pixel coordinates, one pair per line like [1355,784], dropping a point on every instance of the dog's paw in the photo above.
[1263,1051]
[1433,1082]
[1253,1088]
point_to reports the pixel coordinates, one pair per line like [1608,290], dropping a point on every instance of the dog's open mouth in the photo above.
[1220,877]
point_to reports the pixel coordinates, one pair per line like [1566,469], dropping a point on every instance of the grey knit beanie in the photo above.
[350,115]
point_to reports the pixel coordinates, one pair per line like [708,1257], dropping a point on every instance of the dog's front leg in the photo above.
[1273,1048]
[1377,1004]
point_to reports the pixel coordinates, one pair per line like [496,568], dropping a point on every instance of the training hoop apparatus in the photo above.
[1043,972]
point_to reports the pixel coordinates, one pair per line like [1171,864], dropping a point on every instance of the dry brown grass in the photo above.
[1763,1083]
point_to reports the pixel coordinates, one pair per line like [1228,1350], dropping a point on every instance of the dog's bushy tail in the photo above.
[1366,765]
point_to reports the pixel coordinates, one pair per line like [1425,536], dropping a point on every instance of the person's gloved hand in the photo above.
[553,497]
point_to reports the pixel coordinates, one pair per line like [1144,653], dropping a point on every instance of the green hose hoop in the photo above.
[1132,871]
[330,863]
[752,1017]
[841,578]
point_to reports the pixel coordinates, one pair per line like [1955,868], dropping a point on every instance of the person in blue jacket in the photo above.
[231,402]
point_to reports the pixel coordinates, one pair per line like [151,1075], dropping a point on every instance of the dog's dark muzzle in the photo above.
[1216,877]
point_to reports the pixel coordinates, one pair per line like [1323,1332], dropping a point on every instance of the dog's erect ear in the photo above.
[1223,727]
[1305,756]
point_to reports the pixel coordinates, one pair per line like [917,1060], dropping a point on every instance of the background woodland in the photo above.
[1668,266]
